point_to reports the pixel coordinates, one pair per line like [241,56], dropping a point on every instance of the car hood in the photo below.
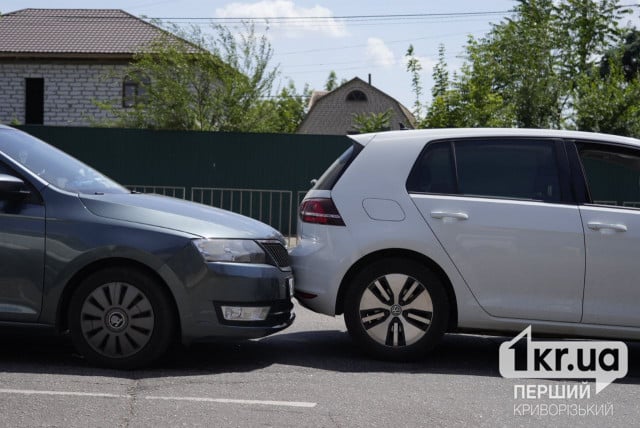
[177,214]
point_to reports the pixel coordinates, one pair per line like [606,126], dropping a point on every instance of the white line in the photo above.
[128,397]
[62,393]
[233,401]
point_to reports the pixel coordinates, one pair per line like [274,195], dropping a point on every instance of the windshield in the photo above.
[54,166]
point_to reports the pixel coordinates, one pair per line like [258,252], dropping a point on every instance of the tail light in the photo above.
[320,211]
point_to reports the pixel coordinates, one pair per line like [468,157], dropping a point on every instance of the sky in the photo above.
[352,38]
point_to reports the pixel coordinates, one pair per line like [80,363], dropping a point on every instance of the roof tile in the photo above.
[75,31]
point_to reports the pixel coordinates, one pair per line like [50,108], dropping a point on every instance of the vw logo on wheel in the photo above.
[396,310]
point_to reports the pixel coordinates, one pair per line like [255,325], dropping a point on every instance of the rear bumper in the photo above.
[319,265]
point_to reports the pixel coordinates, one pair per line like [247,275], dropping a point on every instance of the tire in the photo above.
[121,318]
[396,309]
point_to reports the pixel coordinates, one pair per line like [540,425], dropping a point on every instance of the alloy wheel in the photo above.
[396,310]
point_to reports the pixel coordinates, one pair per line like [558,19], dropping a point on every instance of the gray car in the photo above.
[128,274]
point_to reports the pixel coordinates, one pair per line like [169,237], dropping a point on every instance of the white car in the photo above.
[412,234]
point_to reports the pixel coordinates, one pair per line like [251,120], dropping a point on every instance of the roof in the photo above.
[315,96]
[319,99]
[74,32]
[420,136]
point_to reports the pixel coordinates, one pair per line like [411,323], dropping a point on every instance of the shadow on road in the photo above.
[323,350]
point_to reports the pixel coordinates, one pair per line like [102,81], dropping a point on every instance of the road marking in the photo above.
[128,397]
[63,393]
[234,401]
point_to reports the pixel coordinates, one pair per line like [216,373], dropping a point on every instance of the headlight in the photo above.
[230,250]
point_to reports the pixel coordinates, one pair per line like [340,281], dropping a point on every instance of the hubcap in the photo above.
[117,320]
[396,310]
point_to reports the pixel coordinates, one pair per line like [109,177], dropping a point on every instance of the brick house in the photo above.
[331,113]
[54,63]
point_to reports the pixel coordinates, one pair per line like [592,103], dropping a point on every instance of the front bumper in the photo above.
[209,287]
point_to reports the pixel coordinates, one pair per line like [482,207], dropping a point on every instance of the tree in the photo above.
[211,82]
[414,67]
[628,52]
[609,103]
[287,109]
[529,70]
[585,30]
[332,81]
[372,122]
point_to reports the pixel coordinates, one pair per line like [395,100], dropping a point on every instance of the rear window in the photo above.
[335,171]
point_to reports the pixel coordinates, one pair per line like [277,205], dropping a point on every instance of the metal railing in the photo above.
[273,207]
[174,192]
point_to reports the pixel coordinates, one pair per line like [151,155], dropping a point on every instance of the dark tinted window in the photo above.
[612,173]
[434,171]
[505,168]
[331,175]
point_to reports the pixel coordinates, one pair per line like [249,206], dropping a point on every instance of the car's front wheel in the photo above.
[396,309]
[121,318]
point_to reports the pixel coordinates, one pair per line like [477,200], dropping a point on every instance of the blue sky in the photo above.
[308,50]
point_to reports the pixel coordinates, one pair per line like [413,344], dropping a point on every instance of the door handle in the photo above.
[594,225]
[447,214]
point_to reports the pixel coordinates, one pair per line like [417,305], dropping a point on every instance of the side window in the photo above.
[508,168]
[612,174]
[434,171]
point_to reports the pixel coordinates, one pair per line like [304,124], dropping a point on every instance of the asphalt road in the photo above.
[309,375]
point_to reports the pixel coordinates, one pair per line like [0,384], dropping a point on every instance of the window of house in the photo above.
[356,95]
[133,91]
[34,101]
[612,173]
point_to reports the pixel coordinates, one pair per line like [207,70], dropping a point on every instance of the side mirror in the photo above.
[313,182]
[13,186]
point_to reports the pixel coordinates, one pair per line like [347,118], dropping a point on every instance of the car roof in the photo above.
[422,135]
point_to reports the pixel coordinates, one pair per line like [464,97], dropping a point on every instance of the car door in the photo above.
[611,221]
[22,250]
[500,209]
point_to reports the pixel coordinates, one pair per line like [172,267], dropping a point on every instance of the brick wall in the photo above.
[69,91]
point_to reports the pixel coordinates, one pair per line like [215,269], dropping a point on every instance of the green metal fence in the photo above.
[177,163]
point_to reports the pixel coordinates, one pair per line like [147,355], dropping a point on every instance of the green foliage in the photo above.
[287,109]
[627,52]
[468,100]
[609,104]
[205,81]
[440,75]
[372,122]
[543,67]
[332,81]
[414,67]
[515,62]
